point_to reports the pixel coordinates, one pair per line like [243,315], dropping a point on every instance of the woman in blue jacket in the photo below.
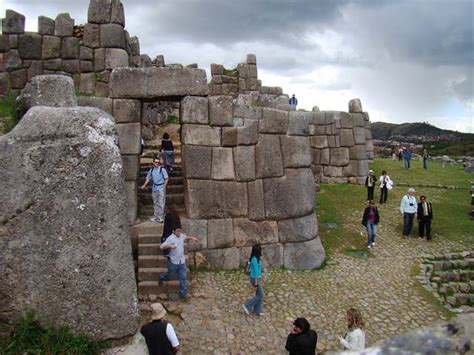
[255,303]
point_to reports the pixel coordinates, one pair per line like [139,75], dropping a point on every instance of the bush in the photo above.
[8,113]
[27,336]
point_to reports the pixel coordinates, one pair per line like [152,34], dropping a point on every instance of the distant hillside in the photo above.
[416,132]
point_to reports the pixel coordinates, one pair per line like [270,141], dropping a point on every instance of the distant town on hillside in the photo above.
[421,135]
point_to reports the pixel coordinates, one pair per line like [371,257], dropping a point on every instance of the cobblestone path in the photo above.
[382,286]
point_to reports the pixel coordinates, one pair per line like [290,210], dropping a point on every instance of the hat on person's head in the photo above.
[371,171]
[411,189]
[157,311]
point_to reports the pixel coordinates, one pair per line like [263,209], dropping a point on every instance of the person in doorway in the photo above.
[354,339]
[407,156]
[159,335]
[425,157]
[302,339]
[408,208]
[255,303]
[424,216]
[176,260]
[386,184]
[159,176]
[370,220]
[293,101]
[168,152]
[370,181]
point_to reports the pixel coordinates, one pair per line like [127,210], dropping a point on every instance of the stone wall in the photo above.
[241,80]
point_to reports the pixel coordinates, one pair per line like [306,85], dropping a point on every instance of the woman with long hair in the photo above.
[255,303]
[354,339]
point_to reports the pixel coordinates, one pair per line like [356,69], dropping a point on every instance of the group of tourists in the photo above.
[409,206]
[405,154]
[160,335]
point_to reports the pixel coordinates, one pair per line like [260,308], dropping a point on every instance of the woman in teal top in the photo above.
[255,303]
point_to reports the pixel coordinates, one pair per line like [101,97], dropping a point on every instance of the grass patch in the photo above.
[436,174]
[27,336]
[172,119]
[8,113]
[231,72]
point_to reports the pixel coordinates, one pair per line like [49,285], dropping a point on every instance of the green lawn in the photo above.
[436,174]
[339,208]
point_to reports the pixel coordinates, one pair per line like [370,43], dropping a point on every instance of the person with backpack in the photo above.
[168,152]
[255,303]
[159,176]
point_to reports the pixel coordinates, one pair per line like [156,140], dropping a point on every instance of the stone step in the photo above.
[147,159]
[147,227]
[149,249]
[152,287]
[150,261]
[146,211]
[145,167]
[149,238]
[171,199]
[151,273]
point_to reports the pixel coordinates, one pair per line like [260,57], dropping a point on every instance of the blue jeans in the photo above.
[407,223]
[372,231]
[180,269]
[407,163]
[255,303]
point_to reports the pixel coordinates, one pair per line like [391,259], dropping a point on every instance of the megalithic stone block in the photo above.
[298,229]
[151,83]
[306,255]
[13,22]
[296,151]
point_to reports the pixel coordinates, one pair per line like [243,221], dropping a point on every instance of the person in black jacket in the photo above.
[302,339]
[370,181]
[424,216]
[159,335]
[370,220]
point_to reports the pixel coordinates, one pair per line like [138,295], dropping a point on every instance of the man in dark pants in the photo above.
[159,335]
[424,216]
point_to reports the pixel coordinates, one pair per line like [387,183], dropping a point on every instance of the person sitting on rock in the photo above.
[159,335]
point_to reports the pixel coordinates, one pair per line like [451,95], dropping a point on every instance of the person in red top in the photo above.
[370,220]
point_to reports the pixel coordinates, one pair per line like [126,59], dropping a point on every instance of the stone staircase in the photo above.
[151,261]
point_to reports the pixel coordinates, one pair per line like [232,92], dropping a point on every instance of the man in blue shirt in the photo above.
[293,101]
[407,157]
[159,176]
[408,208]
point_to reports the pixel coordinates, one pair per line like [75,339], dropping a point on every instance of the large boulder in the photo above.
[307,255]
[66,250]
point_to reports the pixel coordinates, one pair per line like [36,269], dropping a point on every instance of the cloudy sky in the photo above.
[407,60]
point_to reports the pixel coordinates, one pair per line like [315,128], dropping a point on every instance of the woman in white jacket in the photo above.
[354,339]
[386,184]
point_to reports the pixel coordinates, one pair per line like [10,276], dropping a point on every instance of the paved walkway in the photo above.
[383,287]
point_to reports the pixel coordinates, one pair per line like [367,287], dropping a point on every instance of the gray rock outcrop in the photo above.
[66,251]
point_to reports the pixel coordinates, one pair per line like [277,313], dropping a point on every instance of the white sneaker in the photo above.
[369,246]
[153,219]
[373,244]
[245,309]
[260,314]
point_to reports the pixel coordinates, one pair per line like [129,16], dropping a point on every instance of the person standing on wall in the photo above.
[293,101]
[159,335]
[408,208]
[255,303]
[159,176]
[370,181]
[424,216]
[370,220]
[386,184]
[425,157]
[302,339]
[168,152]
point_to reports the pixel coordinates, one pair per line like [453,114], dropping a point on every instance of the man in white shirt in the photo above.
[408,208]
[176,259]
